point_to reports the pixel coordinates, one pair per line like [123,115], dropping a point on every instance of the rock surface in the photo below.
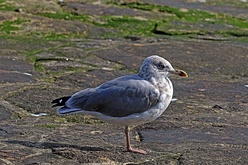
[43,57]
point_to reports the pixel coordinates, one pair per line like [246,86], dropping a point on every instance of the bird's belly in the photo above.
[138,118]
[134,119]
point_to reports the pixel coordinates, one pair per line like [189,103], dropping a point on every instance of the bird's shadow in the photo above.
[50,145]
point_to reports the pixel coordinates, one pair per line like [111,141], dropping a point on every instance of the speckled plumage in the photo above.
[128,100]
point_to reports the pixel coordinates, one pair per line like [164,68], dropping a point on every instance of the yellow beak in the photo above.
[180,73]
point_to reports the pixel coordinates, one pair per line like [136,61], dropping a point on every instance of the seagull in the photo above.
[129,100]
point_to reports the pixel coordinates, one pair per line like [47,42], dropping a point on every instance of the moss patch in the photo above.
[183,21]
[187,15]
[51,126]
[79,118]
[65,16]
[126,25]
[6,7]
[50,36]
[171,21]
[10,26]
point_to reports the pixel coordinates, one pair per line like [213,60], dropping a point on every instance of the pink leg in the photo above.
[129,148]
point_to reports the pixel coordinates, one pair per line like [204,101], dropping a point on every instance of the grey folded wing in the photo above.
[118,98]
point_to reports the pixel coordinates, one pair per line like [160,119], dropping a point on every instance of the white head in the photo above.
[157,67]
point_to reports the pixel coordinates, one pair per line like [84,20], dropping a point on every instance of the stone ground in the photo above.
[207,124]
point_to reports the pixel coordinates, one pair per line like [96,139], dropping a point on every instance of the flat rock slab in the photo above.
[209,116]
[218,6]
[96,9]
[13,70]
[5,113]
[219,135]
[12,77]
[205,124]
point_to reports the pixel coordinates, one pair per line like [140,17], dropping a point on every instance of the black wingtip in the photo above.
[60,101]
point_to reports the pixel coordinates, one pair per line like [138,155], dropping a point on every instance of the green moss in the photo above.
[188,15]
[126,25]
[30,55]
[55,36]
[53,126]
[84,119]
[6,7]
[16,116]
[235,33]
[237,22]
[239,3]
[65,16]
[79,118]
[172,21]
[140,6]
[8,27]
[39,67]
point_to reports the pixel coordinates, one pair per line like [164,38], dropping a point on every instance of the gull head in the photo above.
[157,67]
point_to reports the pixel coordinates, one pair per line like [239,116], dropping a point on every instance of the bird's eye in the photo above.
[160,66]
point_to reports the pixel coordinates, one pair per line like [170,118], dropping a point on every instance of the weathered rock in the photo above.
[206,124]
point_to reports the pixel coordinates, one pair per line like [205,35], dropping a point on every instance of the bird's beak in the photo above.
[179,73]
